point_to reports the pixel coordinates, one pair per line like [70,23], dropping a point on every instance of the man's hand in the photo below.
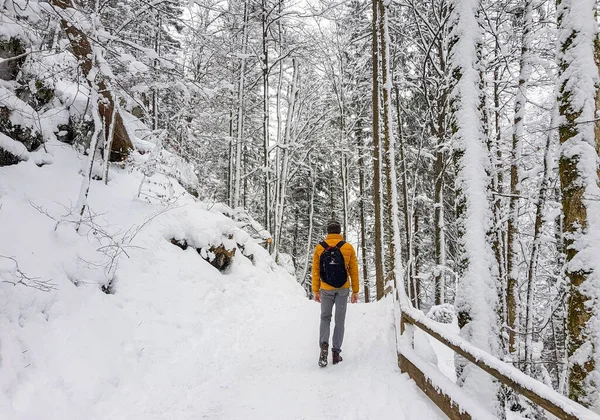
[354,297]
[318,297]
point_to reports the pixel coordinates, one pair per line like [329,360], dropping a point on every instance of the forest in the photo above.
[457,142]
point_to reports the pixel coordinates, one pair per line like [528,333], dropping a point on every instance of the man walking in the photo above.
[334,261]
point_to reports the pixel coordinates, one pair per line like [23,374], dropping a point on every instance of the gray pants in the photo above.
[339,297]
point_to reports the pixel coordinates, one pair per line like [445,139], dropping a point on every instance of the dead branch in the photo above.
[20,277]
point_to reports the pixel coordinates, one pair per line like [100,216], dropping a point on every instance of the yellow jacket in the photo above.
[349,255]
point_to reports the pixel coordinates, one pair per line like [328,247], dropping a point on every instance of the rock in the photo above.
[35,93]
[7,158]
[121,144]
[30,139]
[78,132]
[181,243]
[242,248]
[222,257]
[218,256]
[109,287]
[192,191]
[65,133]
[11,151]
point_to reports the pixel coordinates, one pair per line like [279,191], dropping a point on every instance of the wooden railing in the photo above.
[450,398]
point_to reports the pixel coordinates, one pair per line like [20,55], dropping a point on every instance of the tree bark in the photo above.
[390,155]
[379,275]
[361,204]
[408,218]
[534,256]
[439,173]
[285,151]
[82,49]
[237,172]
[578,98]
[512,241]
[387,125]
[265,119]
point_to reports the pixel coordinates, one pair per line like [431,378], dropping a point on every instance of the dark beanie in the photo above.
[333,226]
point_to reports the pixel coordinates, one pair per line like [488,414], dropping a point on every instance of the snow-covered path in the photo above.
[265,368]
[177,339]
[280,378]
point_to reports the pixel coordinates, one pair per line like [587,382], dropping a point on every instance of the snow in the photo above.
[74,96]
[476,291]
[505,369]
[10,30]
[177,339]
[14,147]
[445,355]
[21,113]
[136,67]
[448,387]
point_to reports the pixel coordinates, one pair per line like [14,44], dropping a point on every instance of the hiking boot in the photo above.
[336,357]
[323,355]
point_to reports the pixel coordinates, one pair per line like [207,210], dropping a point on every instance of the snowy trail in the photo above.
[177,339]
[265,368]
[282,379]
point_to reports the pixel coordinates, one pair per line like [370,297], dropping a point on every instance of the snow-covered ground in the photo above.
[177,339]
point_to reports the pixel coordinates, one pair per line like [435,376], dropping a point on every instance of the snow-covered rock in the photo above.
[11,152]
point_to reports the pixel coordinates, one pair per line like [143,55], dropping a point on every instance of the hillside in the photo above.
[163,334]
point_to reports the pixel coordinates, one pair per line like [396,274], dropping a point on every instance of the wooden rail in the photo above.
[539,393]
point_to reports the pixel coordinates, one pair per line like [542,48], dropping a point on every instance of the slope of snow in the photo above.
[177,339]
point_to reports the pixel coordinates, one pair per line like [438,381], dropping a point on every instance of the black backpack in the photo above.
[333,266]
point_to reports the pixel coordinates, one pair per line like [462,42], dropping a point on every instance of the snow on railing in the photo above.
[452,403]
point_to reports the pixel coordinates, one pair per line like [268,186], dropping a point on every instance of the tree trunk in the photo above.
[476,292]
[155,88]
[230,161]
[512,241]
[390,154]
[534,256]
[308,259]
[416,285]
[407,210]
[361,204]
[379,275]
[85,184]
[345,200]
[265,119]
[387,125]
[240,117]
[82,49]
[285,151]
[498,232]
[578,171]
[438,216]
[279,147]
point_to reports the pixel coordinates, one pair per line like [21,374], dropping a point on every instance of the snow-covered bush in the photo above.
[443,314]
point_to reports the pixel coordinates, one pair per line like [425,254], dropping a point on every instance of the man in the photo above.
[333,262]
